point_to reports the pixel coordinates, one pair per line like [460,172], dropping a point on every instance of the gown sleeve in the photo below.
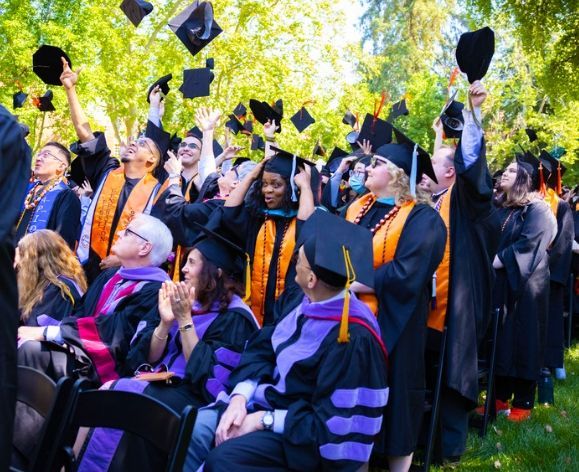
[94,160]
[344,415]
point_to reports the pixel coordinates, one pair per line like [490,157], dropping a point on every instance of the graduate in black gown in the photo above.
[15,160]
[267,223]
[522,286]
[408,239]
[203,328]
[310,390]
[51,281]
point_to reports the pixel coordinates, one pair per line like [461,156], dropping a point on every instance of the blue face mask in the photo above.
[357,184]
[387,200]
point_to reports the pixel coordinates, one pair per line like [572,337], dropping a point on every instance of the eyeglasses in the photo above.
[130,231]
[48,153]
[189,145]
[142,142]
[358,173]
[375,161]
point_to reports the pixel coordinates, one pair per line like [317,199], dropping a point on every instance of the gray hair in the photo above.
[244,168]
[157,233]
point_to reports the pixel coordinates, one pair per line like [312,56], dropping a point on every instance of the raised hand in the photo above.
[173,164]
[68,78]
[269,129]
[345,164]
[155,97]
[303,178]
[207,119]
[478,93]
[165,310]
[365,145]
[182,298]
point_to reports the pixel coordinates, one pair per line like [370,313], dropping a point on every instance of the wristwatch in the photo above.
[267,421]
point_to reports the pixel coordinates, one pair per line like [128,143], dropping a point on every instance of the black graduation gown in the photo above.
[242,227]
[403,289]
[522,289]
[54,305]
[474,238]
[560,255]
[227,334]
[15,159]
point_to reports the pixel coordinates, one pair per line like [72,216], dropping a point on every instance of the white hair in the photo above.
[157,233]
[244,168]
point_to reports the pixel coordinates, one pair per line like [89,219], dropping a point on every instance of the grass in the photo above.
[549,441]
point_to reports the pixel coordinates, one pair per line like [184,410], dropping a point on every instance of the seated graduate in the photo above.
[408,240]
[50,203]
[203,329]
[95,339]
[50,278]
[267,222]
[315,383]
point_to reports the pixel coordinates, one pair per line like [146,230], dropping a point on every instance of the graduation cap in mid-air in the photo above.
[240,110]
[264,112]
[163,83]
[302,119]
[136,10]
[319,150]
[44,103]
[375,130]
[18,99]
[474,53]
[196,83]
[47,64]
[398,109]
[532,134]
[257,143]
[195,26]
[350,119]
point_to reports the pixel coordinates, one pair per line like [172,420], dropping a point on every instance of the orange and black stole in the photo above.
[437,314]
[100,239]
[263,258]
[552,200]
[385,240]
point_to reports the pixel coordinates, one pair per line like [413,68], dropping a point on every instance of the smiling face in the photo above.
[378,176]
[189,151]
[142,152]
[509,176]
[193,268]
[273,189]
[50,163]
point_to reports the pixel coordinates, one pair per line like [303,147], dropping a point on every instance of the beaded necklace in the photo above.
[33,200]
[389,216]
[506,220]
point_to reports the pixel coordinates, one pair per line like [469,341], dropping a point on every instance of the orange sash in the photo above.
[385,240]
[262,259]
[107,205]
[553,200]
[437,315]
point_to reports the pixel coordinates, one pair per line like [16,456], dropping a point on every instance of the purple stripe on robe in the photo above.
[46,320]
[221,373]
[202,322]
[151,274]
[362,396]
[227,357]
[347,451]
[104,442]
[362,424]
[140,327]
[214,387]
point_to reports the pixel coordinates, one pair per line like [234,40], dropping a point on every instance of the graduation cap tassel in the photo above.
[344,335]
[542,187]
[247,295]
[177,264]
[414,171]
[559,180]
[378,108]
[292,183]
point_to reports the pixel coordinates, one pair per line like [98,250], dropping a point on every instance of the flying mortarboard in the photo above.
[210,63]
[196,83]
[240,110]
[302,119]
[234,124]
[319,150]
[532,134]
[375,130]
[195,26]
[163,83]
[44,103]
[350,119]
[474,53]
[264,112]
[18,99]
[257,143]
[136,10]
[398,109]
[47,64]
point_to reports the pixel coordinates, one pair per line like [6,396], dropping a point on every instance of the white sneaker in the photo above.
[560,373]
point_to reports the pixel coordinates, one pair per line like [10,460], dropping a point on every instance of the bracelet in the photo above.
[174,176]
[159,337]
[270,140]
[186,327]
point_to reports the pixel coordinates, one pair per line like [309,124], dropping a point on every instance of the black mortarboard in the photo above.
[163,83]
[474,53]
[210,63]
[528,161]
[18,99]
[248,127]
[196,83]
[398,109]
[195,26]
[257,143]
[44,103]
[47,64]
[452,120]
[197,133]
[264,112]
[240,110]
[136,10]
[349,119]
[319,150]
[225,254]
[234,124]
[555,168]
[239,160]
[302,119]
[287,165]
[376,130]
[531,133]
[335,159]
[402,153]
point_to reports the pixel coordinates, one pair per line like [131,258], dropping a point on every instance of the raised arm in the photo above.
[69,78]
[207,121]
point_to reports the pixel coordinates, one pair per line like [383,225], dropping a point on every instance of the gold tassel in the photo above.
[247,296]
[177,265]
[344,335]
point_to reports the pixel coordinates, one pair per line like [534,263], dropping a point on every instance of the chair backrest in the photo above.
[139,414]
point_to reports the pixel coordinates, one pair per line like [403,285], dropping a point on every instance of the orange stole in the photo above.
[107,205]
[262,258]
[385,240]
[552,200]
[437,316]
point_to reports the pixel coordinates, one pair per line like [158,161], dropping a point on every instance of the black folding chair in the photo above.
[134,413]
[50,400]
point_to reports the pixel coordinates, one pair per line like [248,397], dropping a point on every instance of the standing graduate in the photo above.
[50,203]
[15,160]
[310,390]
[408,241]
[464,280]
[203,328]
[267,222]
[120,191]
[522,286]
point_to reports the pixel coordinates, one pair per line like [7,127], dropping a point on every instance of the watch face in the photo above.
[268,420]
